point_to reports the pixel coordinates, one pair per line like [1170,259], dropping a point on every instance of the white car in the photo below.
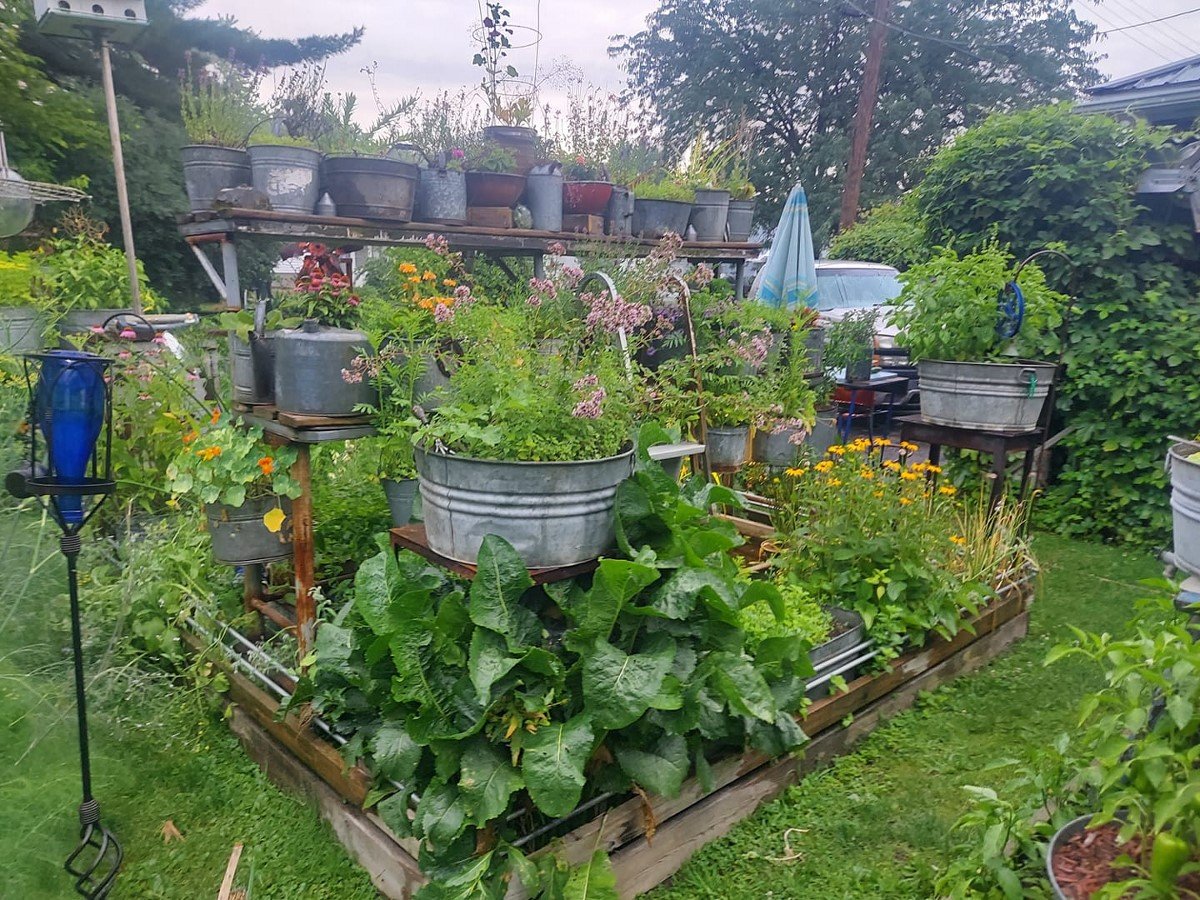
[844,286]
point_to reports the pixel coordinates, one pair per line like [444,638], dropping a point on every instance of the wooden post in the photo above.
[302,535]
[114,133]
[252,575]
[868,96]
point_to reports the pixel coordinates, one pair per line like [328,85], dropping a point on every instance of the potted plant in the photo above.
[629,156]
[1183,460]
[587,189]
[22,317]
[245,487]
[850,344]
[220,109]
[313,360]
[492,180]
[708,167]
[971,328]
[662,207]
[252,351]
[510,100]
[784,426]
[742,192]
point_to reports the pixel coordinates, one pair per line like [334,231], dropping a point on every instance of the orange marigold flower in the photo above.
[406,268]
[449,282]
[425,303]
[429,276]
[416,279]
[267,464]
[208,454]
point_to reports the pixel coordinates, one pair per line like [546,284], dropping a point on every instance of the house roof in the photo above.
[1167,95]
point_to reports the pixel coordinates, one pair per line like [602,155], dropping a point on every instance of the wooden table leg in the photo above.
[999,473]
[302,527]
[1027,470]
[252,578]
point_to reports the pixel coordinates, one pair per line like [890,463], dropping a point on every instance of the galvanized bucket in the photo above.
[837,656]
[442,197]
[619,220]
[1185,505]
[21,329]
[728,448]
[253,369]
[288,176]
[544,195]
[776,448]
[371,187]
[988,396]
[710,212]
[239,536]
[554,514]
[655,218]
[1064,834]
[309,362]
[824,434]
[400,497]
[209,170]
[741,220]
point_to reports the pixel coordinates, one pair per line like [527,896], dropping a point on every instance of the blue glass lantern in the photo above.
[71,409]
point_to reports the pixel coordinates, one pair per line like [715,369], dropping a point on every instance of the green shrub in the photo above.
[891,233]
[16,275]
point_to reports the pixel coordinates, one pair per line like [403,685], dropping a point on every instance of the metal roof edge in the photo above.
[1119,83]
[1143,99]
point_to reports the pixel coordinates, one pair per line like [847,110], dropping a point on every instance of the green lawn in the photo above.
[873,826]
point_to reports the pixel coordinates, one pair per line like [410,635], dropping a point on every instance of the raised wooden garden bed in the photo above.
[300,757]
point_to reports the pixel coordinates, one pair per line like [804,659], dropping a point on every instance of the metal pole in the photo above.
[114,132]
[868,96]
[85,764]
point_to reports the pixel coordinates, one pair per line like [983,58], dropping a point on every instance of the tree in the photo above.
[795,65]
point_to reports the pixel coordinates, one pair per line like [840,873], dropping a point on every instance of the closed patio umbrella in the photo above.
[789,276]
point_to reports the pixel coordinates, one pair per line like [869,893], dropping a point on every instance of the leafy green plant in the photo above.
[323,291]
[665,189]
[220,103]
[17,272]
[226,463]
[495,159]
[81,271]
[890,233]
[803,617]
[499,698]
[950,308]
[851,339]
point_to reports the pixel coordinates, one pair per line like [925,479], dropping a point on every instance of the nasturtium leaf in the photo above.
[488,662]
[487,780]
[273,519]
[619,687]
[552,764]
[742,685]
[594,880]
[394,754]
[441,814]
[500,583]
[660,769]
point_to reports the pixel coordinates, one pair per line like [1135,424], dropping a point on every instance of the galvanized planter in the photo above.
[544,196]
[618,221]
[309,362]
[371,187]
[655,218]
[400,497]
[288,176]
[841,656]
[253,369]
[1064,834]
[554,514]
[728,448]
[989,396]
[239,536]
[208,170]
[710,212]
[81,321]
[442,197]
[1185,506]
[776,448]
[21,329]
[825,432]
[741,220]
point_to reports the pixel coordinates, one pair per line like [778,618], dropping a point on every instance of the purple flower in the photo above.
[352,376]
[128,334]
[462,292]
[612,314]
[753,351]
[591,408]
[587,381]
[443,314]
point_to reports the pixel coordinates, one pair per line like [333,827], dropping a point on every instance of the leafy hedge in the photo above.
[1052,175]
[891,233]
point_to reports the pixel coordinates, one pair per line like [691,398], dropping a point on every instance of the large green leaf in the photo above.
[500,583]
[619,687]
[488,662]
[594,880]
[661,769]
[615,583]
[391,590]
[681,592]
[441,814]
[487,780]
[334,646]
[742,685]
[553,762]
[394,753]
[394,812]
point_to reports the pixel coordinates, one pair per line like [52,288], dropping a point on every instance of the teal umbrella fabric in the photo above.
[789,277]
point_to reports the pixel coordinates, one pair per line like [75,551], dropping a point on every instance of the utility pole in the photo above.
[114,132]
[868,96]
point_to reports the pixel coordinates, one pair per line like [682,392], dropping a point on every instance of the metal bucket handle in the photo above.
[260,321]
[611,287]
[1031,381]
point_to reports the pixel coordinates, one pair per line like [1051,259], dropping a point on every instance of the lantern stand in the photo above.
[70,473]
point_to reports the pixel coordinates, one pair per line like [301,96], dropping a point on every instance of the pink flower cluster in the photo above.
[612,314]
[558,248]
[704,275]
[592,407]
[438,244]
[442,314]
[668,248]
[755,350]
[543,289]
[587,381]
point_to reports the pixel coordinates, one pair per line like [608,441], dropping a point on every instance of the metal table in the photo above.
[227,227]
[884,383]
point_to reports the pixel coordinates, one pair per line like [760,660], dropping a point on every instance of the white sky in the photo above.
[425,45]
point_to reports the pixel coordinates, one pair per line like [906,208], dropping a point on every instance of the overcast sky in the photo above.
[425,45]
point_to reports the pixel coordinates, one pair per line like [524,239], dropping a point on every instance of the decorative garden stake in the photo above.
[70,471]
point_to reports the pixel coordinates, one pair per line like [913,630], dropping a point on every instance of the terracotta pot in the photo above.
[499,189]
[520,140]
[586,198]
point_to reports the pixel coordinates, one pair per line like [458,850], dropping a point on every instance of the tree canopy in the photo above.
[795,67]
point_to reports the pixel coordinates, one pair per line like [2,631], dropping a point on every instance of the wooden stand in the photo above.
[490,216]
[584,224]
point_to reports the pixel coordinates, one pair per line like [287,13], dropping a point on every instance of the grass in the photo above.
[875,824]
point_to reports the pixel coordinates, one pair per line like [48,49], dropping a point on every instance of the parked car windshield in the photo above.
[842,288]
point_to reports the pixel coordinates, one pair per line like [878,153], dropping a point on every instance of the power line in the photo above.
[1186,12]
[1134,12]
[954,45]
[1104,19]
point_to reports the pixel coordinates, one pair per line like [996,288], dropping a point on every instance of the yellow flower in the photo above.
[947,490]
[930,467]
[795,473]
[429,276]
[909,476]
[868,474]
[449,282]
[835,482]
[208,454]
[406,268]
[878,495]
[892,466]
[958,540]
[905,501]
[909,447]
[825,466]
[860,445]
[880,442]
[837,449]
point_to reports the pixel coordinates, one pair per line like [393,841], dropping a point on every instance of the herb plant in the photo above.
[220,103]
[665,189]
[494,159]
[850,340]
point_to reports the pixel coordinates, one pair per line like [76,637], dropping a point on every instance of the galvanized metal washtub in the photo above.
[728,447]
[1185,505]
[825,433]
[990,396]
[655,218]
[553,513]
[618,221]
[21,329]
[741,220]
[309,362]
[777,448]
[442,197]
[837,656]
[208,170]
[371,187]
[710,213]
[239,536]
[288,176]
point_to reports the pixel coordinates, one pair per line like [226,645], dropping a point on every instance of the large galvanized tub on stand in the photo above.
[371,187]
[553,513]
[208,170]
[289,176]
[989,396]
[1185,505]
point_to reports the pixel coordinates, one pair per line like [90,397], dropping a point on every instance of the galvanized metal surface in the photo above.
[710,213]
[741,219]
[239,536]
[371,187]
[841,656]
[776,448]
[728,448]
[309,363]
[400,497]
[289,176]
[824,434]
[21,329]
[209,170]
[988,396]
[253,369]
[1185,505]
[619,218]
[442,197]
[654,218]
[79,321]
[554,514]
[544,196]
[1064,834]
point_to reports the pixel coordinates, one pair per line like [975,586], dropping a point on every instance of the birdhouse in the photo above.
[118,21]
